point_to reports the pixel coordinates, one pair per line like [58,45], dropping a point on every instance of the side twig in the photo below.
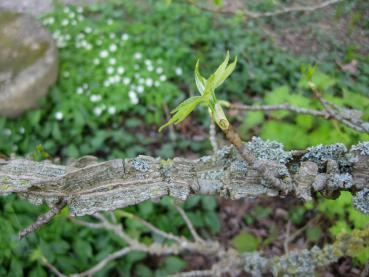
[254,15]
[43,219]
[188,222]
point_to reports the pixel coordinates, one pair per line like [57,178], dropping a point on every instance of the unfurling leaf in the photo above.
[206,88]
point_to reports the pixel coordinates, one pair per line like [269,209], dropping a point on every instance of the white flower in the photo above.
[125,37]
[66,74]
[85,86]
[65,22]
[149,82]
[66,9]
[112,110]
[120,70]
[113,48]
[88,46]
[163,78]
[126,80]
[104,54]
[157,83]
[112,35]
[80,9]
[114,79]
[99,42]
[112,61]
[95,98]
[59,115]
[110,70]
[148,62]
[136,67]
[141,80]
[98,111]
[22,130]
[150,68]
[80,17]
[71,15]
[159,70]
[133,97]
[79,90]
[110,21]
[106,83]
[96,61]
[179,71]
[88,29]
[7,132]
[140,89]
[137,75]
[137,56]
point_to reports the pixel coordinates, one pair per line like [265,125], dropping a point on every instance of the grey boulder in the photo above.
[28,62]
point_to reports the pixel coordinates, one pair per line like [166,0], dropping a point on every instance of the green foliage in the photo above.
[245,242]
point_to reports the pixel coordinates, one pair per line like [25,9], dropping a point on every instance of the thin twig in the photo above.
[43,219]
[189,224]
[52,268]
[157,231]
[105,261]
[279,107]
[195,273]
[365,272]
[254,15]
[287,239]
[212,135]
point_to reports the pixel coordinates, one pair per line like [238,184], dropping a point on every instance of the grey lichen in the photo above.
[255,264]
[365,126]
[302,262]
[340,181]
[322,153]
[361,201]
[362,148]
[239,166]
[268,150]
[140,164]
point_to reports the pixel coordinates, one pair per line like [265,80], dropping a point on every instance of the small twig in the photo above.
[212,135]
[189,224]
[365,272]
[52,268]
[105,261]
[287,238]
[158,231]
[279,107]
[254,15]
[43,219]
[195,273]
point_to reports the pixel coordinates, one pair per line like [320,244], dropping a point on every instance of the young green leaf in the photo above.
[183,110]
[206,88]
[200,80]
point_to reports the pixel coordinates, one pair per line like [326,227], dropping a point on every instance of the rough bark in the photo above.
[100,186]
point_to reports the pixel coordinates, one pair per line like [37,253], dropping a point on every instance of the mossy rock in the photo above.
[28,62]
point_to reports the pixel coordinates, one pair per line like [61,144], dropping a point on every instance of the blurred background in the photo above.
[99,77]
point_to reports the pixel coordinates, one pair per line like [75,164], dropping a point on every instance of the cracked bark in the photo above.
[89,187]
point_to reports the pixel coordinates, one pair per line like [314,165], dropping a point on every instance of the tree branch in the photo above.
[121,183]
[255,15]
[350,118]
